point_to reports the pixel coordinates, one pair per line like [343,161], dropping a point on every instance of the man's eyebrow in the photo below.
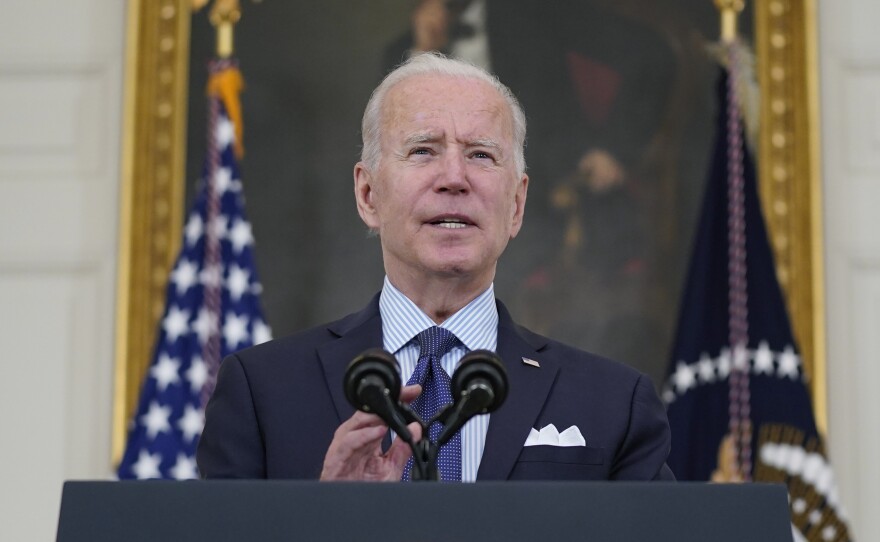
[421,137]
[432,137]
[491,143]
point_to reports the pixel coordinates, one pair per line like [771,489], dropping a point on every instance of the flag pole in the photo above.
[730,10]
[224,15]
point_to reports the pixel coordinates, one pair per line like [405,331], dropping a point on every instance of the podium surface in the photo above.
[508,511]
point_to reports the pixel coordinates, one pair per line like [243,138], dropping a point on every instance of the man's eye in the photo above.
[421,151]
[483,155]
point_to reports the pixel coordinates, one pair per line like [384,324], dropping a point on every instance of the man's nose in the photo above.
[453,178]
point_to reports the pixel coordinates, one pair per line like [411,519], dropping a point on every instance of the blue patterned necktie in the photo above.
[434,343]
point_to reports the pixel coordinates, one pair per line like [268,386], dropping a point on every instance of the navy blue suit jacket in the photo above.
[277,405]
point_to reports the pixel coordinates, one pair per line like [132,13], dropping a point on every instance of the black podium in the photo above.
[423,512]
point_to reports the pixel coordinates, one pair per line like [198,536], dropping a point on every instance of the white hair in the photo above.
[435,64]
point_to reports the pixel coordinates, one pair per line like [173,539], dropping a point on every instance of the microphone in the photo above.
[372,385]
[479,386]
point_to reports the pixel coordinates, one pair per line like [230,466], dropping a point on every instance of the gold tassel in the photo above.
[227,86]
[747,89]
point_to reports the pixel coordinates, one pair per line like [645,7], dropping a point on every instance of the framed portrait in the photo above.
[620,103]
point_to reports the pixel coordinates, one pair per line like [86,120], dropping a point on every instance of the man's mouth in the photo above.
[452,223]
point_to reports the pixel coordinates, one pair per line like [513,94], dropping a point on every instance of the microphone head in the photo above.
[481,368]
[373,364]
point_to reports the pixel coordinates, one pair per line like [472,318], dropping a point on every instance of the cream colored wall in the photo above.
[850,100]
[60,111]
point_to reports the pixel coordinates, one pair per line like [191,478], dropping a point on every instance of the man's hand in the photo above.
[356,450]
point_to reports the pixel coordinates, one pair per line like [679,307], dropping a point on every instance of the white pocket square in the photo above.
[550,436]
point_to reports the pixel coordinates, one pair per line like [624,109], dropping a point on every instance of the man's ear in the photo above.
[519,205]
[364,196]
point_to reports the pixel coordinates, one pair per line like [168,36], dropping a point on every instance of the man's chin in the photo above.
[458,268]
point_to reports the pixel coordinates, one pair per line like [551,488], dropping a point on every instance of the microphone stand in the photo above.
[480,385]
[425,459]
[453,416]
[424,451]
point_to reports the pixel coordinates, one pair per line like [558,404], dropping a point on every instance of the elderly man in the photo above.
[442,181]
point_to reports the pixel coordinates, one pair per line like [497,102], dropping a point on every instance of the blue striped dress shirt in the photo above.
[475,325]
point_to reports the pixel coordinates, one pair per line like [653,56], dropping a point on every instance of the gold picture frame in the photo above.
[153,180]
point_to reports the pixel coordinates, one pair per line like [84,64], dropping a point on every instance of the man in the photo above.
[442,181]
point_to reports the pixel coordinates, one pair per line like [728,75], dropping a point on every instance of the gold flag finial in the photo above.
[223,15]
[730,10]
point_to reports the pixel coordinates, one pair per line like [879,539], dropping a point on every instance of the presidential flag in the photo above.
[736,394]
[213,304]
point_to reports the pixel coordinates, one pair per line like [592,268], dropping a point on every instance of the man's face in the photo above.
[446,197]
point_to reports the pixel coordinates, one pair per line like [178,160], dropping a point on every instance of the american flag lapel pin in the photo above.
[531,362]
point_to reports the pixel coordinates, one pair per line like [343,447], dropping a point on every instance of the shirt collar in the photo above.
[475,324]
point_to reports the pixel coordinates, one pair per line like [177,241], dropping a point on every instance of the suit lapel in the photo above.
[509,426]
[356,333]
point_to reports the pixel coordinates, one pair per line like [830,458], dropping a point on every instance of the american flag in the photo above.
[736,395]
[212,309]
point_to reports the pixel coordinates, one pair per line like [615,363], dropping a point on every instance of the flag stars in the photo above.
[706,368]
[235,329]
[241,235]
[197,374]
[829,533]
[222,180]
[191,423]
[261,332]
[194,229]
[185,275]
[220,226]
[210,277]
[185,468]
[156,419]
[225,133]
[684,377]
[175,323]
[206,325]
[237,282]
[799,506]
[741,357]
[789,363]
[165,371]
[147,466]
[724,363]
[815,517]
[763,359]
